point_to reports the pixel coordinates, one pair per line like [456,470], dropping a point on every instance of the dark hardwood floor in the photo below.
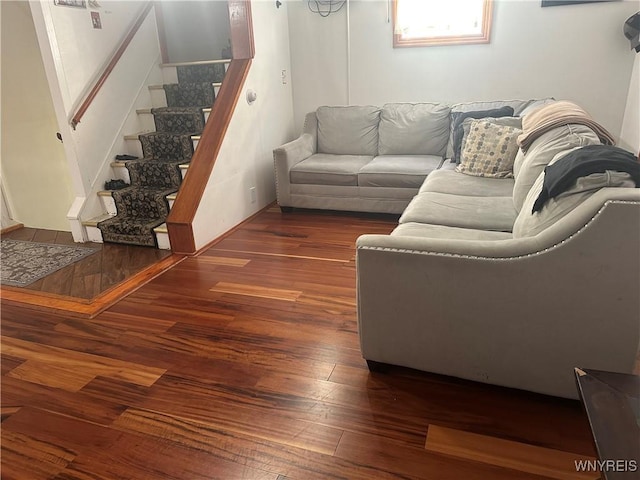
[243,363]
[93,275]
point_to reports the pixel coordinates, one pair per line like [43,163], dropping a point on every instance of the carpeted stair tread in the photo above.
[194,109]
[167,146]
[189,94]
[155,173]
[143,202]
[212,73]
[130,230]
[140,210]
[143,206]
[178,119]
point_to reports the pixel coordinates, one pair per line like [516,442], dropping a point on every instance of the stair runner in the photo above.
[143,205]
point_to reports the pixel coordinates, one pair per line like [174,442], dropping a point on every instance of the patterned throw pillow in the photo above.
[457,119]
[488,150]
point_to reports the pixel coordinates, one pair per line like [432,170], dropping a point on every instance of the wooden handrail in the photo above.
[180,219]
[112,63]
[241,29]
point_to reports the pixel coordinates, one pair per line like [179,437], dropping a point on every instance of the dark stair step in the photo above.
[140,210]
[189,94]
[212,73]
[155,173]
[178,120]
[166,146]
[131,231]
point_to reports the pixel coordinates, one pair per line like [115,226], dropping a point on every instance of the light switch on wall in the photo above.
[284,77]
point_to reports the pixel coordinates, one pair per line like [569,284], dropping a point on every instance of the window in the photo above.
[441,22]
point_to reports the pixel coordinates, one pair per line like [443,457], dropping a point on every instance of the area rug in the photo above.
[23,263]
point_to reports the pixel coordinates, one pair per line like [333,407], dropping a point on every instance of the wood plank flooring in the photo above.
[93,275]
[243,363]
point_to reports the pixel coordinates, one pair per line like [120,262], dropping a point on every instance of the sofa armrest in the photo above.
[289,154]
[520,313]
[295,151]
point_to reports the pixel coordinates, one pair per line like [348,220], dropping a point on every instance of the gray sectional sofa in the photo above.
[367,158]
[347,158]
[472,283]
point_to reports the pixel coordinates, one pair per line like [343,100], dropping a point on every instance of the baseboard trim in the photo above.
[229,232]
[12,228]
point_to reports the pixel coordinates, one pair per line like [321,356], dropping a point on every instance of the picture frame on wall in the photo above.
[71,3]
[555,3]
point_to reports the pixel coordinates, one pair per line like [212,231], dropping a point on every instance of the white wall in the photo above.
[7,221]
[318,59]
[81,50]
[246,158]
[196,30]
[74,55]
[575,52]
[35,174]
[630,132]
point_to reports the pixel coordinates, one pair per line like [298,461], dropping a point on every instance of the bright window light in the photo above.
[441,22]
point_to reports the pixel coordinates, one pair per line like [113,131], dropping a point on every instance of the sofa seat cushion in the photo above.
[465,211]
[413,129]
[326,169]
[426,230]
[403,171]
[450,181]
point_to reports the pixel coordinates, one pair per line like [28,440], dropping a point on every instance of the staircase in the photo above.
[136,215]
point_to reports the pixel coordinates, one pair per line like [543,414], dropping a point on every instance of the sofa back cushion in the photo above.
[519,106]
[528,166]
[413,129]
[528,224]
[349,130]
[534,105]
